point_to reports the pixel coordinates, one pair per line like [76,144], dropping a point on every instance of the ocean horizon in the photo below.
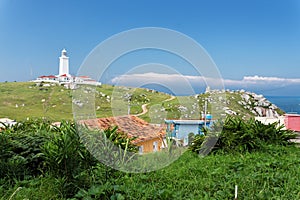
[289,104]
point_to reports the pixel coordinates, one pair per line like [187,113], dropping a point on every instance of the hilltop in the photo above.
[20,100]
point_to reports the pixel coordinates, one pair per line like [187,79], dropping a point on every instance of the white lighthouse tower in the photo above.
[64,64]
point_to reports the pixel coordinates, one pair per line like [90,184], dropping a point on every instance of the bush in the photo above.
[35,148]
[20,151]
[236,134]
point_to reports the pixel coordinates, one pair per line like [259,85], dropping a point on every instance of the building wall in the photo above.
[181,131]
[185,129]
[148,145]
[63,65]
[292,122]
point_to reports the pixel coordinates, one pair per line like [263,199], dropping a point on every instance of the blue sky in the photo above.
[245,38]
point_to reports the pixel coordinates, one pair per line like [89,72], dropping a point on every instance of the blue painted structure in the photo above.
[180,129]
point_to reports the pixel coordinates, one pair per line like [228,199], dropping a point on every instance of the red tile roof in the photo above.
[50,76]
[130,125]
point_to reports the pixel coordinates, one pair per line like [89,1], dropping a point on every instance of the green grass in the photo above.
[21,100]
[260,175]
[272,174]
[39,161]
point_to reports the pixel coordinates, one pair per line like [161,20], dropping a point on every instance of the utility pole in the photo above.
[128,109]
[205,112]
[129,98]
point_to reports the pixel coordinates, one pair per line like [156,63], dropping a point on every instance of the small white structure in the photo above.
[86,80]
[6,122]
[64,64]
[271,120]
[50,78]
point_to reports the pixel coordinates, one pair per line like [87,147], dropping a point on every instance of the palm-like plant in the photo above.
[236,134]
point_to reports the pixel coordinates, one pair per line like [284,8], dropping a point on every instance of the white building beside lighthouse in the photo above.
[64,64]
[64,77]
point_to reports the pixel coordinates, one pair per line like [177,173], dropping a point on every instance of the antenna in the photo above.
[31,72]
[205,112]
[128,109]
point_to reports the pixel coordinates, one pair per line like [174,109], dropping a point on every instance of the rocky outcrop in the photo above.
[249,103]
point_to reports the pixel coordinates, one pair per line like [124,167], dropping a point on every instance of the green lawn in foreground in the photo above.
[273,174]
[41,161]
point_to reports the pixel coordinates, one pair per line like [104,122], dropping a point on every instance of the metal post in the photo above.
[205,112]
[128,110]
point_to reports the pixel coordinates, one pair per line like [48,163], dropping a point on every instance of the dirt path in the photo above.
[170,99]
[144,106]
[145,110]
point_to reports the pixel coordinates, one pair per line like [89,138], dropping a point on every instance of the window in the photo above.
[176,130]
[141,149]
[155,146]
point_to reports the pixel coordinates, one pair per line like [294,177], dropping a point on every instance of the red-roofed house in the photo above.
[50,78]
[149,137]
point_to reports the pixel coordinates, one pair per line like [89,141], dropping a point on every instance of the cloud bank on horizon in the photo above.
[270,86]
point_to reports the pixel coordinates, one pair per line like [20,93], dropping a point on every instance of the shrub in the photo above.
[35,148]
[236,134]
[69,157]
[20,152]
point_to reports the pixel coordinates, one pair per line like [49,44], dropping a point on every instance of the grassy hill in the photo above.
[69,171]
[20,100]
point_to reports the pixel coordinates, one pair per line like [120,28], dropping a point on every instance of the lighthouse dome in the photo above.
[64,52]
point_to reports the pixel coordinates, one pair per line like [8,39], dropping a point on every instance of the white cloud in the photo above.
[177,83]
[270,79]
[261,83]
[154,77]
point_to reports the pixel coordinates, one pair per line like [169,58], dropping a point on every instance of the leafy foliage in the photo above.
[236,134]
[20,152]
[120,139]
[40,161]
[196,144]
[36,148]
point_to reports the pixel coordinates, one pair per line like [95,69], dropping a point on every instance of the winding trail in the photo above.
[144,106]
[145,110]
[169,99]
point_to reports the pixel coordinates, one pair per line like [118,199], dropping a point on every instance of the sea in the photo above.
[289,104]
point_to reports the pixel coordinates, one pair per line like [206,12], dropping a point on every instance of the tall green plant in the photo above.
[236,134]
[20,152]
[109,146]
